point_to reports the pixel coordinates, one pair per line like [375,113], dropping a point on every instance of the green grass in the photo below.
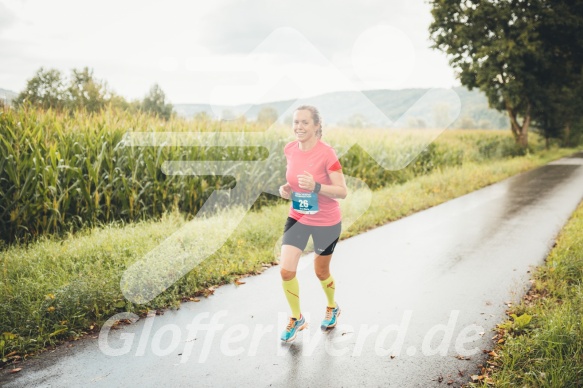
[57,289]
[548,350]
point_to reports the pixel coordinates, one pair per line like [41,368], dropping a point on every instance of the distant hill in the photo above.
[351,109]
[7,95]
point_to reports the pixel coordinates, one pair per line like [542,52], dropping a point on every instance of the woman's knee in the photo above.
[287,275]
[322,266]
[322,274]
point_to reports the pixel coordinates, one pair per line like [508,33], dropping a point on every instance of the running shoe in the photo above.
[294,325]
[331,317]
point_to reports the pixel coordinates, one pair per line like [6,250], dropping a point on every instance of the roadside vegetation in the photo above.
[541,344]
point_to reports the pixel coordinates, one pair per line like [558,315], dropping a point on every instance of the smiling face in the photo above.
[304,126]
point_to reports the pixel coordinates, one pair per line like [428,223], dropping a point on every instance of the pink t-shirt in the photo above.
[318,161]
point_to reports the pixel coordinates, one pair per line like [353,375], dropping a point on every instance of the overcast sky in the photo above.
[225,51]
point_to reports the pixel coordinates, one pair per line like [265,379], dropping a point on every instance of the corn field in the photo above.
[61,172]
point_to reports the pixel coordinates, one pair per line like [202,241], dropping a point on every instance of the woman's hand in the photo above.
[285,191]
[306,181]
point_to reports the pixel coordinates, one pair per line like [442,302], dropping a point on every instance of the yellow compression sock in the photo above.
[329,287]
[292,293]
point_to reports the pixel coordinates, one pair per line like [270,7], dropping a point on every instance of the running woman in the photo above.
[314,181]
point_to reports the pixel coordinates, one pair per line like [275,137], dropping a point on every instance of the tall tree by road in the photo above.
[561,31]
[502,48]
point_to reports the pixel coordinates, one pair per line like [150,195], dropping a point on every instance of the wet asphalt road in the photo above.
[414,293]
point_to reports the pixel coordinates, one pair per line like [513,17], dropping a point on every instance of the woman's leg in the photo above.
[290,257]
[295,239]
[322,269]
[325,239]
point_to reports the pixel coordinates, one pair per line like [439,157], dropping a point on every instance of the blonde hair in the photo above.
[315,116]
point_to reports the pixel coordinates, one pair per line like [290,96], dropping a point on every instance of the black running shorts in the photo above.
[325,237]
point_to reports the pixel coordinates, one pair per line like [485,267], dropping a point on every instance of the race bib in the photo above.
[305,203]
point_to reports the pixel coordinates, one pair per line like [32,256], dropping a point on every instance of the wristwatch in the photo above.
[317,188]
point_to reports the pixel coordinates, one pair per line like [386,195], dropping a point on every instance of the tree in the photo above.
[118,102]
[561,31]
[155,102]
[45,89]
[494,46]
[267,115]
[416,122]
[49,89]
[466,122]
[203,117]
[357,120]
[515,51]
[228,115]
[86,92]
